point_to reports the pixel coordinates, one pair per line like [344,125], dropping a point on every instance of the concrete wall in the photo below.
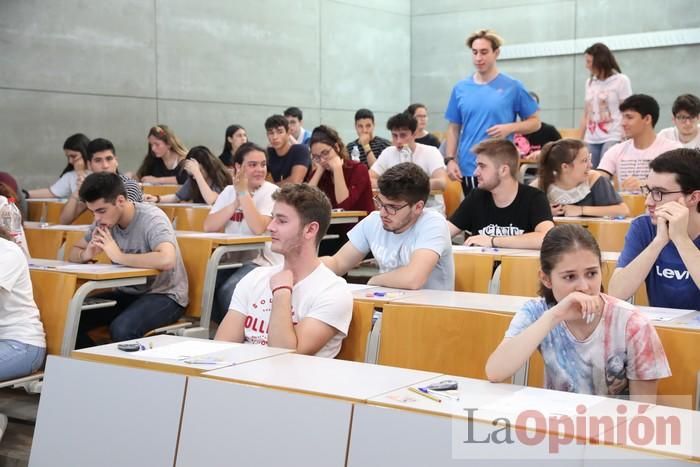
[114,69]
[439,57]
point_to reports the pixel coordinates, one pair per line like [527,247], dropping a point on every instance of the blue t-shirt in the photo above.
[477,107]
[393,250]
[669,284]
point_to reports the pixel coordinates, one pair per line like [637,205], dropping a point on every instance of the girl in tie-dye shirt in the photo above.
[591,343]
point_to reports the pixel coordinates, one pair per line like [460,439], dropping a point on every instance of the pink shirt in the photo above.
[625,160]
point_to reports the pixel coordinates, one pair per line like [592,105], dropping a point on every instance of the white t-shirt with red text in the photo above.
[321,295]
[624,160]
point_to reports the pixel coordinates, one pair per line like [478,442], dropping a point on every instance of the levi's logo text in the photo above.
[669,273]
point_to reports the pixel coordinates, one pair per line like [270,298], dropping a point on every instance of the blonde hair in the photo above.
[489,35]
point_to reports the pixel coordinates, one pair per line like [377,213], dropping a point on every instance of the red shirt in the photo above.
[356,177]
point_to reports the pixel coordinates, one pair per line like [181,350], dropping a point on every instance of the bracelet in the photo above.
[492,244]
[157,198]
[279,287]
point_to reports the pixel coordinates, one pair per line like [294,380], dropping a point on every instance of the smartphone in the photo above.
[129,347]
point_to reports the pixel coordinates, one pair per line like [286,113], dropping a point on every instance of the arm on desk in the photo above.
[163,258]
[345,259]
[71,210]
[413,276]
[41,193]
[528,241]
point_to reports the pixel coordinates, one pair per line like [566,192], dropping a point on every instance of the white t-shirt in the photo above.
[624,160]
[393,251]
[321,295]
[672,134]
[426,157]
[21,238]
[19,315]
[603,99]
[66,185]
[262,199]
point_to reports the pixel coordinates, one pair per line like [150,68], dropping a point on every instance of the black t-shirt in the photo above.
[160,170]
[281,167]
[429,139]
[544,135]
[479,215]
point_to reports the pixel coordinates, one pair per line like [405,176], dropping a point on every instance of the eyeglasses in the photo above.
[656,194]
[323,155]
[685,118]
[390,209]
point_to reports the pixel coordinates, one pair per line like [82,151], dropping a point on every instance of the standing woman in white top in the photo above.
[606,88]
[75,149]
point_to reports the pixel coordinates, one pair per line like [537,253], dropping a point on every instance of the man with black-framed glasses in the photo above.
[662,248]
[411,245]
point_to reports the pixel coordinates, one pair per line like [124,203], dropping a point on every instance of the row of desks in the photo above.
[270,407]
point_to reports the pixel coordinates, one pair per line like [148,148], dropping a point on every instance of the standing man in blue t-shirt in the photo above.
[485,105]
[662,248]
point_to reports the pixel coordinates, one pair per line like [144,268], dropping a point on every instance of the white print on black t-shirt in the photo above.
[494,230]
[669,273]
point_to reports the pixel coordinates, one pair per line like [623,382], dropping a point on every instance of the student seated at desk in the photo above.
[244,208]
[235,135]
[101,157]
[300,304]
[207,177]
[572,188]
[131,234]
[163,161]
[501,212]
[344,181]
[75,149]
[591,343]
[662,248]
[287,162]
[410,244]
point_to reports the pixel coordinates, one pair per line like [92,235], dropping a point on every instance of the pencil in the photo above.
[429,396]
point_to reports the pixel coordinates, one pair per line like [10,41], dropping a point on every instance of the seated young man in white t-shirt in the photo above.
[686,129]
[244,208]
[412,245]
[301,304]
[629,160]
[405,149]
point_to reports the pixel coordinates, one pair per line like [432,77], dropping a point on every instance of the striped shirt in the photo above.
[377,144]
[133,190]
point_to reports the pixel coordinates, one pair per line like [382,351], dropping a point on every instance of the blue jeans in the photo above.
[131,318]
[597,151]
[226,282]
[18,359]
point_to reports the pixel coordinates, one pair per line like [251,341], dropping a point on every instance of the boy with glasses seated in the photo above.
[686,131]
[662,248]
[410,244]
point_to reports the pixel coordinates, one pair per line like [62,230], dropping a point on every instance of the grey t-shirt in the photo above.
[149,228]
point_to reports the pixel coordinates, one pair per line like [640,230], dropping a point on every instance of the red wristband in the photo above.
[280,287]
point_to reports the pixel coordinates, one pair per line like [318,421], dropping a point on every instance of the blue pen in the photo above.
[379,294]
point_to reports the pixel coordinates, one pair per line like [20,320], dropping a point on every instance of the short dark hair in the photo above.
[557,242]
[276,121]
[684,163]
[364,113]
[642,104]
[686,102]
[294,112]
[502,151]
[309,202]
[99,145]
[402,121]
[244,149]
[101,185]
[406,182]
[411,109]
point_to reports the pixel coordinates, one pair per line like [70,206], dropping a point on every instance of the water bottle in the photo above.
[11,219]
[355,153]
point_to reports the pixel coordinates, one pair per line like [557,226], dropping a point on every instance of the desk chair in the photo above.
[354,346]
[473,273]
[609,235]
[635,203]
[189,218]
[44,243]
[453,196]
[519,276]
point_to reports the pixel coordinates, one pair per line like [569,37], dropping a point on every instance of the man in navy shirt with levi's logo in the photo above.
[662,248]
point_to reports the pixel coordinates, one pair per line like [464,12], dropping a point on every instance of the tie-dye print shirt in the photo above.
[623,346]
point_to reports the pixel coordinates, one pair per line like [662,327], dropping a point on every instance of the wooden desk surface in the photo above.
[341,214]
[97,272]
[329,377]
[591,220]
[219,238]
[464,300]
[225,353]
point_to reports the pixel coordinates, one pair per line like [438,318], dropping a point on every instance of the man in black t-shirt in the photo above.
[501,212]
[287,162]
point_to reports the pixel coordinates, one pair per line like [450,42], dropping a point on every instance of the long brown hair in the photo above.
[552,156]
[213,169]
[166,135]
[327,135]
[558,241]
[604,63]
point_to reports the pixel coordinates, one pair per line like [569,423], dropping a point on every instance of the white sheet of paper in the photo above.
[662,314]
[188,349]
